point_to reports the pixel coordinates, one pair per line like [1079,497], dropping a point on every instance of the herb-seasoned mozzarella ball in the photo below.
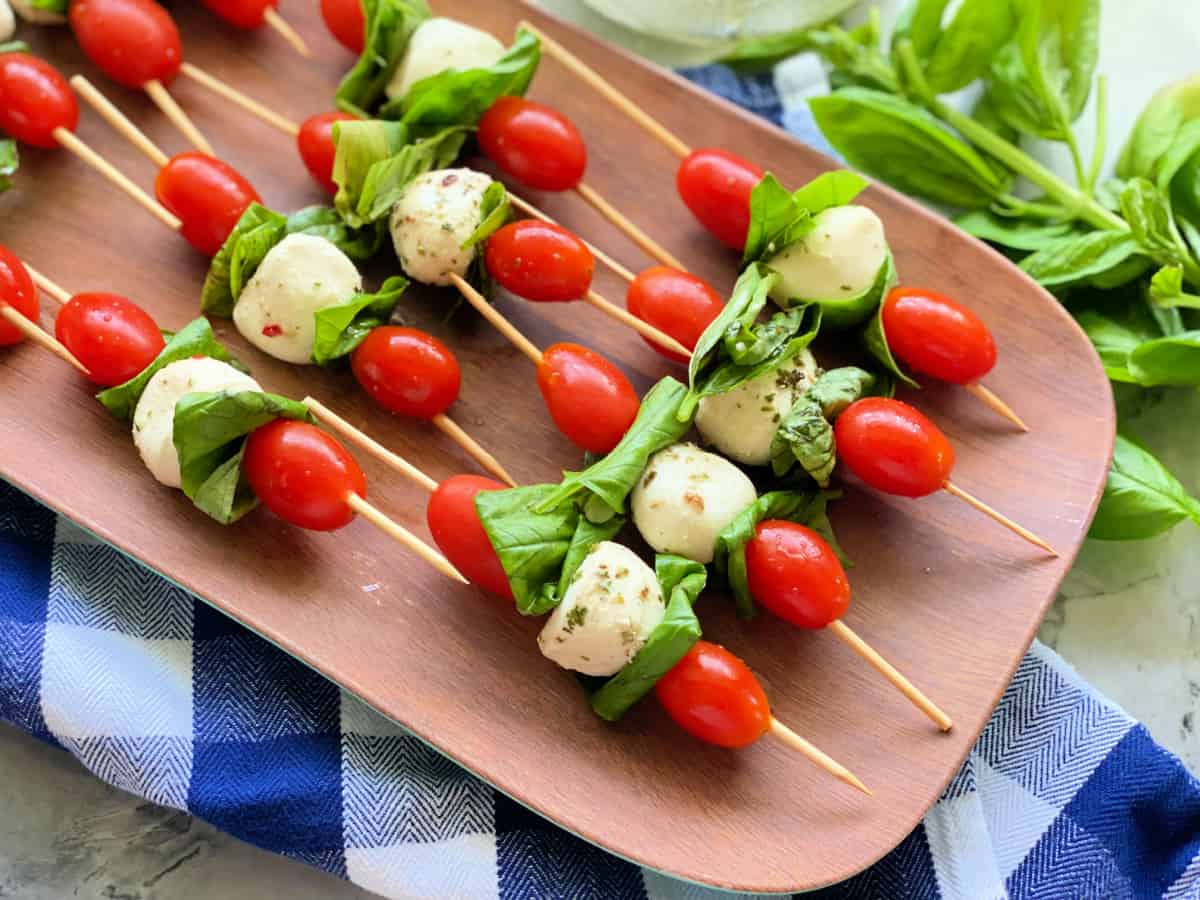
[154,416]
[31,14]
[742,422]
[612,604]
[298,276]
[838,259]
[8,24]
[686,497]
[436,214]
[442,44]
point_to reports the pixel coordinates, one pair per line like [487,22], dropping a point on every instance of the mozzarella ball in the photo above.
[8,25]
[742,422]
[838,259]
[154,416]
[440,44]
[298,276]
[436,214]
[31,14]
[686,497]
[612,605]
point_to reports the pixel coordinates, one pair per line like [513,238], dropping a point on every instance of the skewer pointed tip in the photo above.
[951,488]
[997,405]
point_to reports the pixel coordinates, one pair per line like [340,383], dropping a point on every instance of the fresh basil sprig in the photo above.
[1141,497]
[875,337]
[10,161]
[389,27]
[779,218]
[341,328]
[805,435]
[681,581]
[194,339]
[210,432]
[494,211]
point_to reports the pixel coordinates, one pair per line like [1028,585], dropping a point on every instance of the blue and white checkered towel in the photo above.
[1064,796]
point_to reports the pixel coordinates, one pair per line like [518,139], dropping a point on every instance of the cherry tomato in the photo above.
[456,529]
[346,22]
[407,371]
[933,335]
[590,400]
[893,447]
[715,185]
[316,146]
[533,143]
[113,337]
[713,696]
[540,261]
[18,291]
[207,195]
[676,302]
[130,41]
[302,474]
[796,575]
[34,100]
[241,13]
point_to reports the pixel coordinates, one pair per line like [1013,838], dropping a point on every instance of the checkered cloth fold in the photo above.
[1064,796]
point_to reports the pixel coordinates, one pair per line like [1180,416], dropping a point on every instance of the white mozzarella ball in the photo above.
[440,44]
[742,422]
[298,276]
[31,14]
[436,214]
[154,416]
[838,259]
[686,497]
[612,605]
[8,25]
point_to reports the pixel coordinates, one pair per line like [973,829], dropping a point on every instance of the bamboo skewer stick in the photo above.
[402,535]
[47,286]
[631,231]
[645,329]
[474,449]
[498,321]
[529,209]
[995,404]
[236,97]
[174,112]
[118,120]
[286,31]
[951,488]
[585,72]
[39,336]
[891,673]
[70,142]
[790,739]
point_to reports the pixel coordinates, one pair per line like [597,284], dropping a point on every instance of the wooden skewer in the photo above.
[792,740]
[891,673]
[996,404]
[493,315]
[633,232]
[47,286]
[611,94]
[336,423]
[174,112]
[476,451]
[118,120]
[236,97]
[286,31]
[625,317]
[70,142]
[42,338]
[402,535]
[530,210]
[952,488]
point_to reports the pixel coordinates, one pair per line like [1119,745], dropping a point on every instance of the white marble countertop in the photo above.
[1128,618]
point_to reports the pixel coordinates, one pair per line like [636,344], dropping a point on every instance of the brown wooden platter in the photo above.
[951,598]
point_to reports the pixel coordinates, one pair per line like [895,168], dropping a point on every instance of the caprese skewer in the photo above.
[20,311]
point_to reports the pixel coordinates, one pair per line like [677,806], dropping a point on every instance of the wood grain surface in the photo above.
[950,597]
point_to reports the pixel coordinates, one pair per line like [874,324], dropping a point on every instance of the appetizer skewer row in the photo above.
[930,333]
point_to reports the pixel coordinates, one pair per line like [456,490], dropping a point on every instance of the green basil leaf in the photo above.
[1166,289]
[324,222]
[921,23]
[1146,210]
[779,219]
[751,346]
[903,144]
[343,327]
[1141,497]
[20,46]
[805,507]
[855,54]
[603,486]
[875,338]
[462,96]
[587,535]
[389,27]
[1019,234]
[1113,342]
[805,434]
[681,581]
[210,432]
[1173,360]
[1076,257]
[193,339]
[257,231]
[59,7]
[494,211]
[1185,196]
[749,297]
[10,161]
[965,48]
[1185,146]
[375,161]
[1158,127]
